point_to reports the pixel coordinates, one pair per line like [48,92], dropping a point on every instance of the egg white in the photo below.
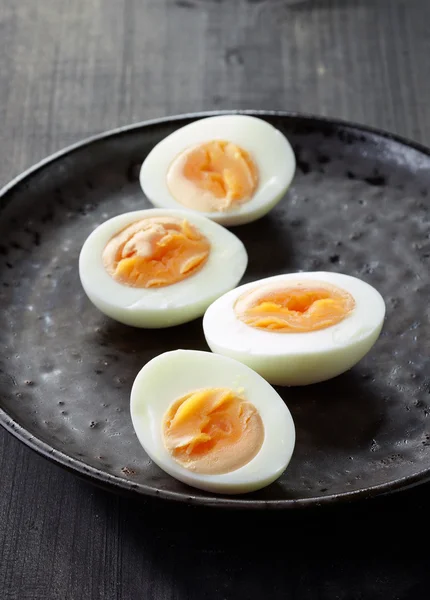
[269,148]
[174,374]
[298,358]
[168,305]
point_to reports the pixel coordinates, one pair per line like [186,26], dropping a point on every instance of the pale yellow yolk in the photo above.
[295,307]
[214,176]
[212,431]
[155,252]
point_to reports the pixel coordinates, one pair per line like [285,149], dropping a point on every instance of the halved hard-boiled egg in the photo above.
[299,328]
[158,268]
[211,422]
[232,169]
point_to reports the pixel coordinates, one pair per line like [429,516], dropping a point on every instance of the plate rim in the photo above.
[115,482]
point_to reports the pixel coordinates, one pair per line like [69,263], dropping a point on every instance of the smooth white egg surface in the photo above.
[207,441]
[232,169]
[296,329]
[208,270]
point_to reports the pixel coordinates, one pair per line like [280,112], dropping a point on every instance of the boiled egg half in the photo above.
[211,422]
[232,169]
[158,268]
[299,328]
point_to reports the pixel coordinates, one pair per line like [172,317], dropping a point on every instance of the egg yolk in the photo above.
[155,252]
[212,431]
[215,176]
[294,307]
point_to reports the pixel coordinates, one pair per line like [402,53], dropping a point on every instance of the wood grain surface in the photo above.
[73,68]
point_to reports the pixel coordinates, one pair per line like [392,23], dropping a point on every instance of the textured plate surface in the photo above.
[359,204]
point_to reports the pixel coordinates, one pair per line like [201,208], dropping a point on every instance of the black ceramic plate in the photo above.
[359,205]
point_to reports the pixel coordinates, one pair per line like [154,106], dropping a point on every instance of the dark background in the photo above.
[69,69]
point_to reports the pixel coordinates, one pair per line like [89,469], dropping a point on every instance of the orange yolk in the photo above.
[213,430]
[214,176]
[155,252]
[296,307]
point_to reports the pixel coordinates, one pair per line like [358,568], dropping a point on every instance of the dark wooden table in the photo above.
[71,69]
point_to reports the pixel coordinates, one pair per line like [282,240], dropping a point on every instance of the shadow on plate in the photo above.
[344,413]
[257,237]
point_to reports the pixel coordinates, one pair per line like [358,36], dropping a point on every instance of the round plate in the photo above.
[358,205]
